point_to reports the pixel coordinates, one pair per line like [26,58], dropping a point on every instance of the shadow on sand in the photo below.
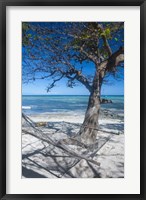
[54,162]
[29,173]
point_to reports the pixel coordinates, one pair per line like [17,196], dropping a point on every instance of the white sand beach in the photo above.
[42,160]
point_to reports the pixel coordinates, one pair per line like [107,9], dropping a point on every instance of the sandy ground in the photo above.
[43,160]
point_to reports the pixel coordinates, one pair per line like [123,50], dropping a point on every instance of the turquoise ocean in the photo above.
[55,104]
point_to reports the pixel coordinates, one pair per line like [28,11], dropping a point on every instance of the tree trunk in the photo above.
[88,131]
[89,128]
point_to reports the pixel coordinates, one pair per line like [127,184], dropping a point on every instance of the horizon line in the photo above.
[70,94]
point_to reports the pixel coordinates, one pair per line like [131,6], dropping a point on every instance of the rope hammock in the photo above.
[66,146]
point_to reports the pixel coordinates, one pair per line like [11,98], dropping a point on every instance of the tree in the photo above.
[55,51]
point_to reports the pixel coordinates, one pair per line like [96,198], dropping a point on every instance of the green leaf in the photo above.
[116,39]
[29,35]
[107,32]
[102,34]
[25,26]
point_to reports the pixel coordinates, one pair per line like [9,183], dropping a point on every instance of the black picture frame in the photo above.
[3,125]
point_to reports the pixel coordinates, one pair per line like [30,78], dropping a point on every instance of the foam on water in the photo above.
[26,107]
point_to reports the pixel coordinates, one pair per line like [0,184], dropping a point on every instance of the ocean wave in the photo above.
[26,107]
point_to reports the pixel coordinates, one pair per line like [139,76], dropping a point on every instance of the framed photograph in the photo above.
[72,99]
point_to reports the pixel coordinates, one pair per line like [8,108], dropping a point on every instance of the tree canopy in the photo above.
[57,50]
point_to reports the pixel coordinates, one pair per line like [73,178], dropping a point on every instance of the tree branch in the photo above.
[114,60]
[80,77]
[106,44]
[88,55]
[53,83]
